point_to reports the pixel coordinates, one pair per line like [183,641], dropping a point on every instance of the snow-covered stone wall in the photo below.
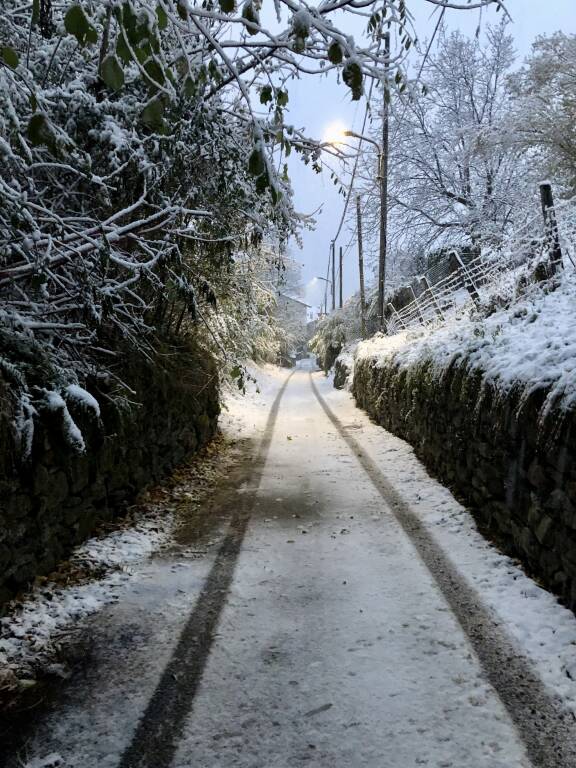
[513,467]
[54,498]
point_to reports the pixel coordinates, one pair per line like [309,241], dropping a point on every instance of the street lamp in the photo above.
[328,282]
[383,183]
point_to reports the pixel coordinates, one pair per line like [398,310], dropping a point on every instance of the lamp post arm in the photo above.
[364,138]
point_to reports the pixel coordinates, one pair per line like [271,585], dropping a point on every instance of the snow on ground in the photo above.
[246,413]
[532,343]
[32,628]
[544,629]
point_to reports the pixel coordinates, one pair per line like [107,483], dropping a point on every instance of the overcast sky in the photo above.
[315,103]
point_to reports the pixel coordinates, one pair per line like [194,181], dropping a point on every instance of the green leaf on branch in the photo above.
[250,14]
[155,71]
[300,25]
[256,163]
[143,53]
[262,183]
[112,73]
[236,372]
[282,98]
[189,87]
[299,44]
[122,50]
[335,53]
[9,56]
[266,94]
[214,71]
[275,194]
[227,6]
[162,17]
[39,131]
[76,23]
[352,76]
[374,22]
[153,113]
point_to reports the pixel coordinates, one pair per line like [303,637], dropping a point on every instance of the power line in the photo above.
[357,158]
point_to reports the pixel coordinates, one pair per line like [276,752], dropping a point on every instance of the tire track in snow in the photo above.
[546,728]
[156,737]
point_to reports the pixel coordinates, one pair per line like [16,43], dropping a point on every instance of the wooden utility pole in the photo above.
[341,302]
[361,267]
[333,276]
[383,172]
[551,224]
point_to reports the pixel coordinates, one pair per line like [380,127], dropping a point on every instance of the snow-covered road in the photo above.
[333,619]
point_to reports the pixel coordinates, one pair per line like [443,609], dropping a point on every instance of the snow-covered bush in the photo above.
[328,341]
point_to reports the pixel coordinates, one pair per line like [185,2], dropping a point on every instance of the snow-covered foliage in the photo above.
[328,340]
[344,365]
[338,330]
[142,148]
[118,174]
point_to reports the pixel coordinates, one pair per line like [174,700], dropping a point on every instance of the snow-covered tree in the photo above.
[453,178]
[544,109]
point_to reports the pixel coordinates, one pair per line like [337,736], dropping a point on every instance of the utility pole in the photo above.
[341,277]
[333,276]
[383,171]
[361,267]
[551,225]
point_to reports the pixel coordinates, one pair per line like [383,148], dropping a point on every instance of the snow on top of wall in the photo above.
[380,347]
[531,343]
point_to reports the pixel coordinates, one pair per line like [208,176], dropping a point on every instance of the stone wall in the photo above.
[341,373]
[53,500]
[515,471]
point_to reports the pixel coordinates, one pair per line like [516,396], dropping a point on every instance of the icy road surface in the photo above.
[322,624]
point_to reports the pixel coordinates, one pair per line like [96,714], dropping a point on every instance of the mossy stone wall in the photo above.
[54,499]
[515,471]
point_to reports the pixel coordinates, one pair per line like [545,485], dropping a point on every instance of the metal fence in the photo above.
[468,284]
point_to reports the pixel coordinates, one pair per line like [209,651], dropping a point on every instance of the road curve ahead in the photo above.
[327,629]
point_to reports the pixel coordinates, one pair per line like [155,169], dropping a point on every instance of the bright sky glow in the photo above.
[334,132]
